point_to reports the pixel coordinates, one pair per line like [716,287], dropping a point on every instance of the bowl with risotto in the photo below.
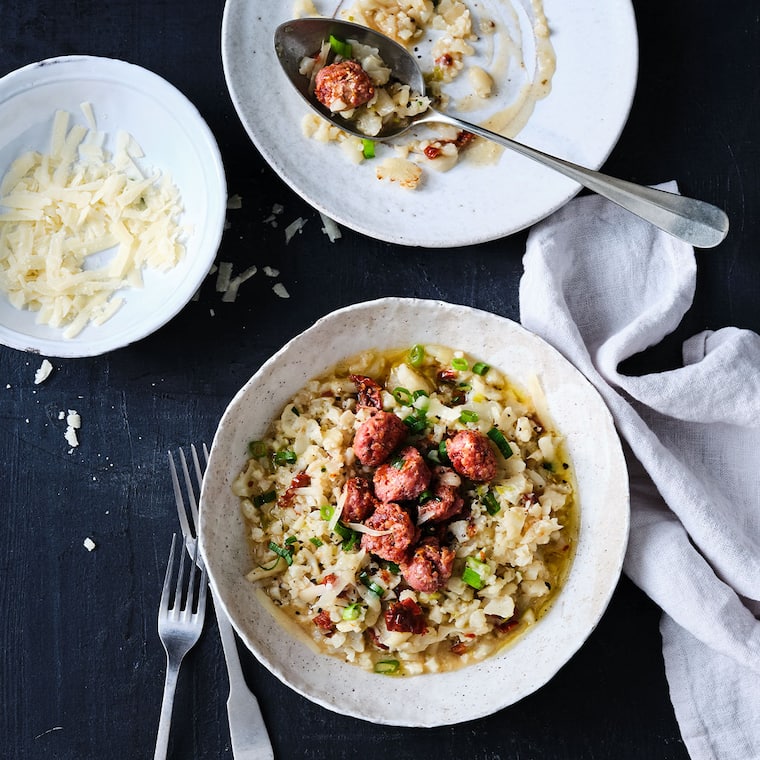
[402,518]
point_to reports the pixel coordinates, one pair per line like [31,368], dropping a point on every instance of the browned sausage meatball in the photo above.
[471,455]
[429,567]
[446,501]
[394,545]
[377,437]
[342,86]
[405,477]
[359,502]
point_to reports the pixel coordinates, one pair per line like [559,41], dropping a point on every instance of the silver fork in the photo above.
[248,734]
[180,622]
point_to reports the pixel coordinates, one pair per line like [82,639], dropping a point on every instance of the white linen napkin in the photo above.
[601,285]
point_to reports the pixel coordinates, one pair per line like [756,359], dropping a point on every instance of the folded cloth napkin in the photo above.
[601,285]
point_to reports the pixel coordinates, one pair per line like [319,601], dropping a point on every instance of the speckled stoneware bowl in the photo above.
[476,690]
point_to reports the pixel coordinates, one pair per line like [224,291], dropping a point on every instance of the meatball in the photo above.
[446,501]
[471,455]
[392,546]
[405,477]
[359,500]
[429,567]
[342,86]
[377,437]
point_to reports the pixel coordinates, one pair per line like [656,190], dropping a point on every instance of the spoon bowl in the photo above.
[693,221]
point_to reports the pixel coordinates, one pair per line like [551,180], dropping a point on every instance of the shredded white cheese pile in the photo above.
[62,208]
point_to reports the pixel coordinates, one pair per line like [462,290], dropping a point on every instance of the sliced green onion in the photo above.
[340,47]
[285,552]
[368,148]
[352,612]
[350,537]
[417,421]
[492,504]
[548,466]
[443,454]
[326,511]
[370,584]
[388,667]
[434,456]
[257,449]
[397,461]
[286,456]
[264,498]
[316,541]
[425,496]
[393,568]
[295,411]
[475,572]
[419,393]
[403,396]
[501,442]
[290,540]
[467,415]
[480,368]
[416,355]
[459,363]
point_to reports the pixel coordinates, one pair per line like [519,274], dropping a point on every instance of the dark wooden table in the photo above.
[81,666]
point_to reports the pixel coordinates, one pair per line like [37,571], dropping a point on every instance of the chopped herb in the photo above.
[501,442]
[443,454]
[387,667]
[352,612]
[459,363]
[416,355]
[467,415]
[368,148]
[286,456]
[286,552]
[340,47]
[416,421]
[257,449]
[475,572]
[479,368]
[264,498]
[350,537]
[370,584]
[492,504]
[317,542]
[403,396]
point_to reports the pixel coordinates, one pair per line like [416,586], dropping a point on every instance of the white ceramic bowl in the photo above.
[175,139]
[518,670]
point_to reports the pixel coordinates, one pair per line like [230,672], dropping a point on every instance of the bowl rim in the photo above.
[431,709]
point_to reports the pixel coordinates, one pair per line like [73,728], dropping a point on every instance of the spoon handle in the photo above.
[696,222]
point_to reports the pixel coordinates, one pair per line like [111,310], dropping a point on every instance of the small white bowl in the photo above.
[176,140]
[602,480]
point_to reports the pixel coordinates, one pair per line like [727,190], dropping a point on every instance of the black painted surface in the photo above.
[81,666]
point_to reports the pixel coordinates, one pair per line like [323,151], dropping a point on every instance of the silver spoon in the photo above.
[696,222]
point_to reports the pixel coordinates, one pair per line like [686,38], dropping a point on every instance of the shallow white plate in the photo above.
[594,448]
[596,48]
[175,139]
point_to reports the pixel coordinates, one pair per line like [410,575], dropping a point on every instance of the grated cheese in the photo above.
[43,373]
[64,207]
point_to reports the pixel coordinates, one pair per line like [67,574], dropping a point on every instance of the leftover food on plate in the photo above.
[504,49]
[410,511]
[81,222]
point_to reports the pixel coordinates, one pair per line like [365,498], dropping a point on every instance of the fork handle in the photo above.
[248,733]
[167,705]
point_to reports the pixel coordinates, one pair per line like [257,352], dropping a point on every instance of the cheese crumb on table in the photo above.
[73,423]
[89,544]
[43,373]
[62,208]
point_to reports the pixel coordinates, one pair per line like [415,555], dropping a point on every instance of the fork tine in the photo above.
[165,594]
[178,605]
[189,485]
[182,514]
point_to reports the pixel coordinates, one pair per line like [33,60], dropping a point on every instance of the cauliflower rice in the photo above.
[512,542]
